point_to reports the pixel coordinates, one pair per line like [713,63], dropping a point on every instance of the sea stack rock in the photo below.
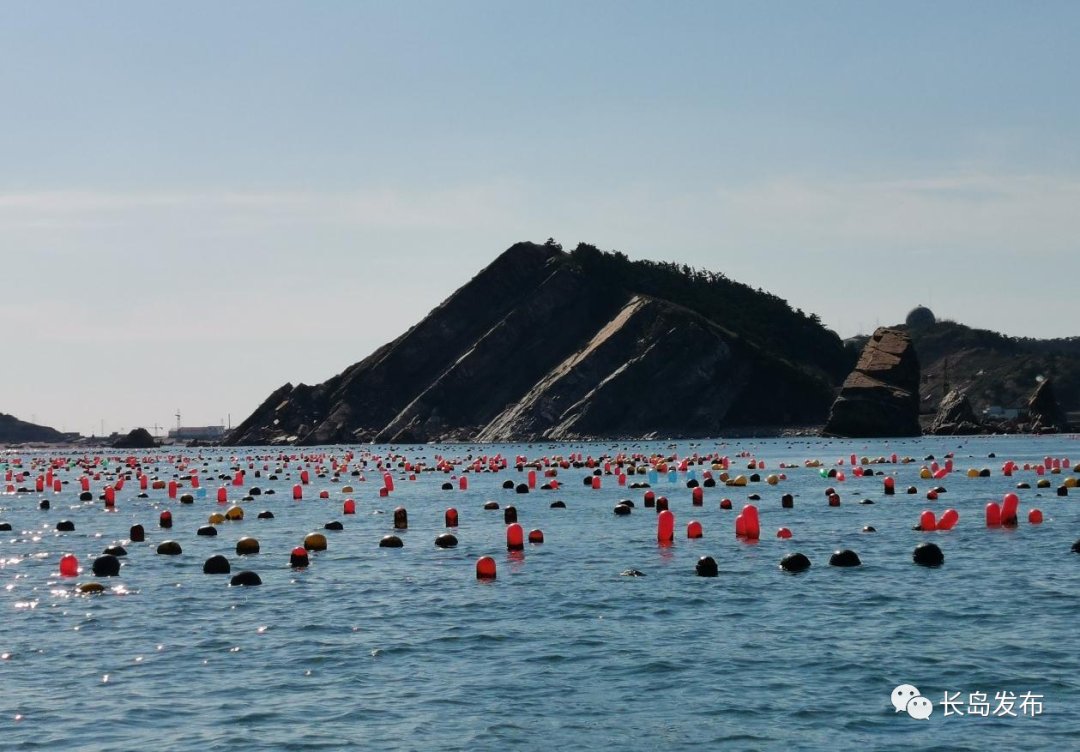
[881,396]
[1043,410]
[139,438]
[956,416]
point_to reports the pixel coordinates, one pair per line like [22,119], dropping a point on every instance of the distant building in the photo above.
[202,433]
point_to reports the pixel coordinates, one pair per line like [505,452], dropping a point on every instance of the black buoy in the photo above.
[86,496]
[508,484]
[216,565]
[207,531]
[558,505]
[247,578]
[1076,547]
[390,541]
[491,505]
[44,504]
[115,551]
[169,548]
[5,527]
[869,529]
[448,486]
[333,525]
[845,558]
[522,488]
[622,510]
[137,534]
[106,566]
[510,515]
[65,526]
[446,540]
[928,555]
[265,515]
[787,501]
[706,567]
[795,562]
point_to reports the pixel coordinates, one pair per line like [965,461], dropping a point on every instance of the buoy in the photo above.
[65,526]
[928,555]
[725,503]
[844,558]
[927,522]
[787,501]
[706,567]
[485,568]
[247,546]
[137,534]
[69,565]
[661,504]
[222,495]
[783,533]
[890,486]
[750,521]
[622,509]
[1035,517]
[491,505]
[106,565]
[401,519]
[463,483]
[217,564]
[349,507]
[115,551]
[391,541]
[165,519]
[795,563]
[91,587]
[450,519]
[266,514]
[515,539]
[948,520]
[299,557]
[993,515]
[169,548]
[315,542]
[207,531]
[446,540]
[698,496]
[536,536]
[510,515]
[1009,506]
[246,578]
[234,514]
[650,499]
[297,492]
[665,527]
[693,529]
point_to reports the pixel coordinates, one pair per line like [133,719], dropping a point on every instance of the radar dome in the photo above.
[920,317]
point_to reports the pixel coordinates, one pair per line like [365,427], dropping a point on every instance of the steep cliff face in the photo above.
[534,347]
[881,396]
[15,431]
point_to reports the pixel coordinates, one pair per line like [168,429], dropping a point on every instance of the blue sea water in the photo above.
[373,648]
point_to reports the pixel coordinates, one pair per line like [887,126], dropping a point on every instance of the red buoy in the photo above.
[451,517]
[69,566]
[110,496]
[463,483]
[1035,517]
[485,568]
[349,507]
[515,537]
[698,496]
[536,536]
[222,495]
[596,482]
[665,527]
[324,494]
[650,499]
[750,520]
[948,520]
[993,514]
[297,492]
[173,485]
[783,533]
[165,519]
[890,486]
[725,503]
[693,529]
[927,522]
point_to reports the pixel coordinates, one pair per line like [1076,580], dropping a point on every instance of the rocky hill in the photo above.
[544,344]
[15,431]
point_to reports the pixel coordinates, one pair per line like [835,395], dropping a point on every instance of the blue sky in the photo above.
[201,201]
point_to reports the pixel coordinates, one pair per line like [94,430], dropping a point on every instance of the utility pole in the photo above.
[178,422]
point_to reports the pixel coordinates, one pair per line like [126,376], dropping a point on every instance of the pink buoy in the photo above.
[926,521]
[69,566]
[665,527]
[693,529]
[515,538]
[948,520]
[993,514]
[1035,516]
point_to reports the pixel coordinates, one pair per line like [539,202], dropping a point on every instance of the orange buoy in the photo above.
[451,517]
[536,536]
[485,568]
[693,529]
[69,566]
[349,507]
[665,527]
[515,540]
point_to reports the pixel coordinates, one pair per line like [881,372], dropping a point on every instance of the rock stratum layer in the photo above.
[881,396]
[543,344]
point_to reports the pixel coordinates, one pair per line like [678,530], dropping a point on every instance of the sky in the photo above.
[201,201]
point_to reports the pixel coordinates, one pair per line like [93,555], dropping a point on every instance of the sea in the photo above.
[405,649]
